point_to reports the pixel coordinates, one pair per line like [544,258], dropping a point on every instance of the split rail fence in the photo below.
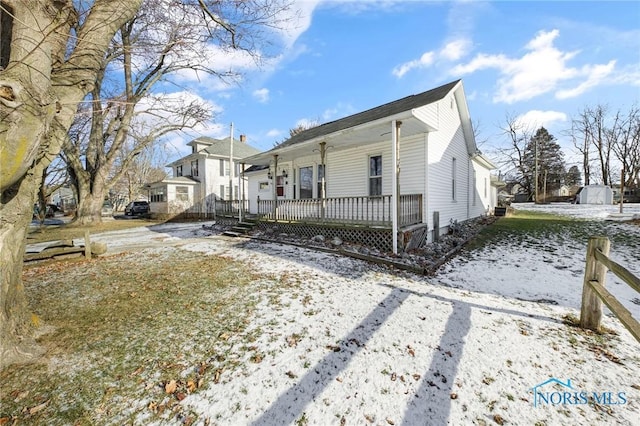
[594,291]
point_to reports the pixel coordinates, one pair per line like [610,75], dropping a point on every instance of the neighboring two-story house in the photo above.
[202,178]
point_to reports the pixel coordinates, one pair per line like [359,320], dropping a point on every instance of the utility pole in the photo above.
[536,178]
[231,164]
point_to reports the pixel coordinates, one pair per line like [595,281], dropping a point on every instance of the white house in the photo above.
[202,179]
[411,164]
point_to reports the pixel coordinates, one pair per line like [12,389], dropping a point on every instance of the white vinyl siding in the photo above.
[444,145]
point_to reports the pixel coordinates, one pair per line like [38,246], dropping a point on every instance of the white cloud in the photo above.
[262,95]
[340,110]
[451,51]
[596,74]
[535,118]
[424,61]
[541,70]
[455,49]
[297,20]
[274,133]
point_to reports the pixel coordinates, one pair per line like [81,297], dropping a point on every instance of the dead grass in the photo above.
[131,335]
[71,230]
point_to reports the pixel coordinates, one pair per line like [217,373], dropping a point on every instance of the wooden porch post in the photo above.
[323,151]
[395,182]
[275,188]
[241,193]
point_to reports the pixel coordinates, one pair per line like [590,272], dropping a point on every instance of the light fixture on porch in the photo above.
[285,174]
[269,175]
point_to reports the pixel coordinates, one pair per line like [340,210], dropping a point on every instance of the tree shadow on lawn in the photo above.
[431,401]
[290,405]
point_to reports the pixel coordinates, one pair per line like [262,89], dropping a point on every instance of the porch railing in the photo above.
[230,207]
[369,211]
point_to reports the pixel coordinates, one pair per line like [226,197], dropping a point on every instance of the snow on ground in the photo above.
[360,344]
[548,269]
[583,211]
[384,348]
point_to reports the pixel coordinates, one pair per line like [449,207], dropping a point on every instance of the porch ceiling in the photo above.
[353,137]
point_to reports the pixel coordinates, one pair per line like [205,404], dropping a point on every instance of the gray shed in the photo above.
[595,194]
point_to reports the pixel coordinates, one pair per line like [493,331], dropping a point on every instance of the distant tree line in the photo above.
[608,144]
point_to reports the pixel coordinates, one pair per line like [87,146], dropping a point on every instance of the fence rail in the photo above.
[594,291]
[369,211]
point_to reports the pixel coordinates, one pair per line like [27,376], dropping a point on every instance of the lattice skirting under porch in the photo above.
[372,237]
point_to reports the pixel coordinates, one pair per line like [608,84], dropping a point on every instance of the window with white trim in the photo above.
[475,187]
[453,179]
[321,169]
[375,175]
[182,193]
[306,182]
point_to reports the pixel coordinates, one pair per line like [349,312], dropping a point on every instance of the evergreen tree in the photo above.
[573,177]
[551,167]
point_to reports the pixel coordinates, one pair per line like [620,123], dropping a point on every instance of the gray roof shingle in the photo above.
[220,147]
[386,110]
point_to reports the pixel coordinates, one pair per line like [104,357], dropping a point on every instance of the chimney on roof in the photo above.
[243,138]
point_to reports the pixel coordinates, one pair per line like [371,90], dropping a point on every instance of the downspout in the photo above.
[425,212]
[468,185]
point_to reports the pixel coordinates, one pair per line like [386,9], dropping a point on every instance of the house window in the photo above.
[375,175]
[321,169]
[453,179]
[224,167]
[179,170]
[475,187]
[182,193]
[194,168]
[306,182]
[280,186]
[294,183]
[263,186]
[158,195]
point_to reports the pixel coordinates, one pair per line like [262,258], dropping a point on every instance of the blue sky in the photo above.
[541,61]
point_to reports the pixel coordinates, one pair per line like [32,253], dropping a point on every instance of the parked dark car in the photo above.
[136,208]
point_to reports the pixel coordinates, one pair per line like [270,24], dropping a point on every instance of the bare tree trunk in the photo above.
[41,88]
[16,324]
[90,200]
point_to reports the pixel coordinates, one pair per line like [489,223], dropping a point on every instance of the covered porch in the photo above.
[321,178]
[368,211]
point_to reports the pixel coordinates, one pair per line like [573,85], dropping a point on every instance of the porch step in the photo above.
[246,224]
[242,228]
[232,234]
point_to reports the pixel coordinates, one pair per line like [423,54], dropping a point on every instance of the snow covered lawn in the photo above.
[335,340]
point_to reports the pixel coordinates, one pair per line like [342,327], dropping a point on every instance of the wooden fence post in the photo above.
[591,311]
[87,245]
